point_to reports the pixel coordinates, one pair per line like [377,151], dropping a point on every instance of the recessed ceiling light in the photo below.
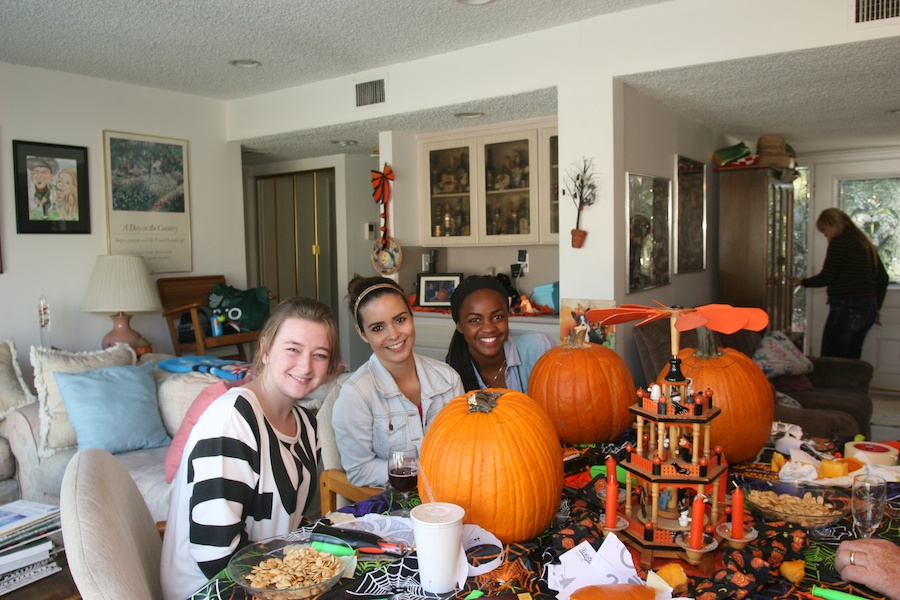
[344,143]
[468,115]
[246,63]
[474,2]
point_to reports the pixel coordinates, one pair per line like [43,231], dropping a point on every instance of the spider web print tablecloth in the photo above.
[748,573]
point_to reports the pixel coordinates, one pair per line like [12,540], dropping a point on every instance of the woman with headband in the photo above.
[394,397]
[483,350]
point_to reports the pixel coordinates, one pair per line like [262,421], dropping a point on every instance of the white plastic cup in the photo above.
[437,527]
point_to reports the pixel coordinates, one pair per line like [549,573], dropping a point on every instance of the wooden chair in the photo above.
[333,480]
[188,294]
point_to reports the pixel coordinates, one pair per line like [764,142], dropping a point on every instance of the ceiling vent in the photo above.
[371,92]
[867,11]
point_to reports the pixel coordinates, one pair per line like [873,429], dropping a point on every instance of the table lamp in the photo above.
[121,284]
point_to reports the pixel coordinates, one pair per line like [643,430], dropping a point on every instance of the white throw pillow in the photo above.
[777,355]
[57,432]
[14,392]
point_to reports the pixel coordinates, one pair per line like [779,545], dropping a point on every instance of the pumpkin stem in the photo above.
[707,344]
[576,340]
[483,402]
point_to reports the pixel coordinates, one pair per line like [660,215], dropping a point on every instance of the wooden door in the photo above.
[297,249]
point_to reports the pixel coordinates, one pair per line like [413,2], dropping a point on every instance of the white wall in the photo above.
[50,107]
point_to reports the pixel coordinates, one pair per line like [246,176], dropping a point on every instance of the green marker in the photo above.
[335,549]
[833,594]
[474,594]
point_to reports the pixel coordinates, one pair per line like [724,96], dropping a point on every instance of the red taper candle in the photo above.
[612,494]
[737,514]
[697,512]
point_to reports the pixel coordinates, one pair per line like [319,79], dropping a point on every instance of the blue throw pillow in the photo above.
[114,408]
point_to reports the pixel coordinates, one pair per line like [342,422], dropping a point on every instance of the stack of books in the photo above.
[30,539]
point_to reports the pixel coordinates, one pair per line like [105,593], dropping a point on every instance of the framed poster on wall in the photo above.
[148,199]
[649,209]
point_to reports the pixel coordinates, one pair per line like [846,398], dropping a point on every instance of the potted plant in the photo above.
[579,184]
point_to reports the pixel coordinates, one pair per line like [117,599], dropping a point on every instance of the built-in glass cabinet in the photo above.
[483,187]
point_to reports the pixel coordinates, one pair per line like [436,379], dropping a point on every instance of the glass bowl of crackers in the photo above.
[810,506]
[291,566]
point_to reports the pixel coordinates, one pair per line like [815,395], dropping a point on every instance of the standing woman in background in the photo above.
[483,350]
[250,467]
[395,396]
[856,282]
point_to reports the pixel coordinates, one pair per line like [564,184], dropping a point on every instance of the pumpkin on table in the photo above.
[496,454]
[586,390]
[740,389]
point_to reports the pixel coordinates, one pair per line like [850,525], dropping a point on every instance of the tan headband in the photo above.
[371,289]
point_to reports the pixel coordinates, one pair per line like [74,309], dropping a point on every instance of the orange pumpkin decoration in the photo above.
[496,454]
[740,389]
[586,390]
[614,591]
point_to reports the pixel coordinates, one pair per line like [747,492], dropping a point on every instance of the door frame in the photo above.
[882,346]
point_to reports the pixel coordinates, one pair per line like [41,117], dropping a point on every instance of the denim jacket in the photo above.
[371,414]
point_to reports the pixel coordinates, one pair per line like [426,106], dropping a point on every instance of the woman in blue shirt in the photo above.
[394,397]
[483,350]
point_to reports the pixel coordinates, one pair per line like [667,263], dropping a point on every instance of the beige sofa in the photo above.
[40,477]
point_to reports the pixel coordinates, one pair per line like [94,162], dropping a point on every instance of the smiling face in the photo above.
[387,326]
[65,185]
[298,358]
[484,323]
[41,177]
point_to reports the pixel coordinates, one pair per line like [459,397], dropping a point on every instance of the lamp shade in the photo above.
[121,283]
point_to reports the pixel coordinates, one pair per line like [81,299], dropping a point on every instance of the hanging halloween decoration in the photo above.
[386,254]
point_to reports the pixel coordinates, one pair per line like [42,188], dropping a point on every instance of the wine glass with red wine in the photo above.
[403,471]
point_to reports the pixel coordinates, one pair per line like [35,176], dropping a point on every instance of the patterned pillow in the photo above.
[777,355]
[57,432]
[14,391]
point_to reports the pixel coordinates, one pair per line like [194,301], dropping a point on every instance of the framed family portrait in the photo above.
[148,199]
[690,215]
[52,193]
[649,208]
[435,289]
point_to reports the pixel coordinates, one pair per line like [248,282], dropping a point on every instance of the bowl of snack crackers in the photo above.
[805,504]
[291,566]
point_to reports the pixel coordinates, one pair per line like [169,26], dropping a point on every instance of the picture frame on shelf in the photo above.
[435,289]
[52,192]
[690,215]
[649,209]
[148,199]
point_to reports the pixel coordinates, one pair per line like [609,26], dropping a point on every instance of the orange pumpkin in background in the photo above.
[739,388]
[496,454]
[586,390]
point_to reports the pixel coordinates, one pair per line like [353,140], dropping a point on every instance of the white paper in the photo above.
[582,566]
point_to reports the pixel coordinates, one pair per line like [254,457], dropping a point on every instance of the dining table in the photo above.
[751,572]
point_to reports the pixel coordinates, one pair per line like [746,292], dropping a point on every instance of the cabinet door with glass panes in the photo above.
[508,214]
[549,182]
[451,182]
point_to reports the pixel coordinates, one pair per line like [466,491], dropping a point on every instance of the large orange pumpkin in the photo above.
[739,388]
[586,390]
[496,454]
[614,591]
